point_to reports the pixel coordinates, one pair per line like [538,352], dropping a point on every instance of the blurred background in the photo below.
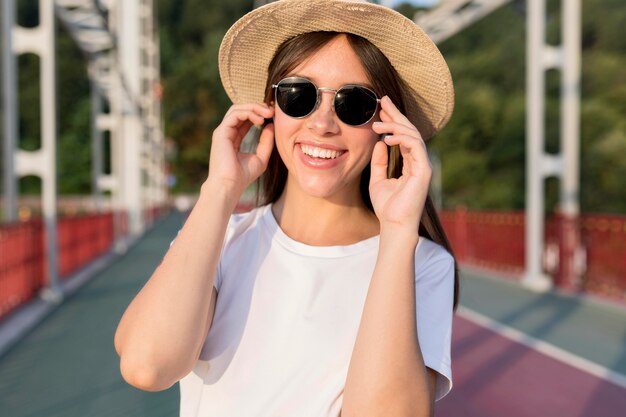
[106,119]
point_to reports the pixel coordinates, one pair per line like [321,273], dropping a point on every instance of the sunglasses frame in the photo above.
[319,91]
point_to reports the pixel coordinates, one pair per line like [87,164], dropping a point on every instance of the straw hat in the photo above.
[250,44]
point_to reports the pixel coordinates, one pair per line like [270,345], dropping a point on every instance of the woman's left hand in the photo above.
[399,201]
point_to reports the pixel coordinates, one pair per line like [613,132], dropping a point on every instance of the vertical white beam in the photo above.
[162,189]
[129,60]
[535,86]
[10,109]
[49,137]
[149,144]
[152,120]
[41,41]
[115,119]
[570,106]
[571,261]
[116,148]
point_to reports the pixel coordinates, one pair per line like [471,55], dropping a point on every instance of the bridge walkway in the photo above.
[515,353]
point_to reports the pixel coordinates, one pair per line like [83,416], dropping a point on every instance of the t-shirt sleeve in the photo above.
[434,296]
[238,224]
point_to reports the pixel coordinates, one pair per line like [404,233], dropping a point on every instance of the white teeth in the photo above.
[319,152]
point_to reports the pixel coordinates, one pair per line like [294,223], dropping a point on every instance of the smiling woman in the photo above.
[335,296]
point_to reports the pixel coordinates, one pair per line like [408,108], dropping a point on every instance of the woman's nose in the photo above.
[323,120]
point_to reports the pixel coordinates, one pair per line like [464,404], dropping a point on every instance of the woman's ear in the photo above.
[269,120]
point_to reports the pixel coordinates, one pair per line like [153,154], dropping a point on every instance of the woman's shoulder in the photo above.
[430,255]
[241,222]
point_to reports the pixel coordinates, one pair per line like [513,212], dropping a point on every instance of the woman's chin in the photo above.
[325,188]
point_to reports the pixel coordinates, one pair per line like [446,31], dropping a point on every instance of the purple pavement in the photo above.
[496,377]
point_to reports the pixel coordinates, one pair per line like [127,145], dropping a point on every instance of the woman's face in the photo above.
[347,149]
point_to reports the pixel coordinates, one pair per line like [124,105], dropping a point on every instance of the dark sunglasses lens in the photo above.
[355,105]
[296,97]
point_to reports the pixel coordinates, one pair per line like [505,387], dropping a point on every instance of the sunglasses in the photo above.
[298,97]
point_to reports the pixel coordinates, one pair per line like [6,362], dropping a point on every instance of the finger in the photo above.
[409,142]
[259,108]
[389,110]
[395,129]
[239,137]
[266,143]
[255,113]
[378,166]
[235,118]
[257,163]
[410,146]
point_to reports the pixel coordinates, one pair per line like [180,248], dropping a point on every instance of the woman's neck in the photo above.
[341,220]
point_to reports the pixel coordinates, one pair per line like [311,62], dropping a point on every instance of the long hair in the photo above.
[385,81]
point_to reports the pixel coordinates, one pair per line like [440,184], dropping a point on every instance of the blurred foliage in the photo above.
[482,149]
[195,102]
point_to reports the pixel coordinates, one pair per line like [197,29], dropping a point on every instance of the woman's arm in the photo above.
[162,331]
[387,375]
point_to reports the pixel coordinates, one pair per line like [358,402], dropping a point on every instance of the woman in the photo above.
[325,300]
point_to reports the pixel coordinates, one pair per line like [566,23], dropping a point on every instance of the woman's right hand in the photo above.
[228,166]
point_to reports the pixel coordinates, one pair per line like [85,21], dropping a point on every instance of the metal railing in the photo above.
[495,241]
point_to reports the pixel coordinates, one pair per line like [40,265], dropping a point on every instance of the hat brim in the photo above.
[250,44]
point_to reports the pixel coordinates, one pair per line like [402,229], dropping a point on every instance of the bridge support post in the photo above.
[534,276]
[565,165]
[10,109]
[39,40]
[572,260]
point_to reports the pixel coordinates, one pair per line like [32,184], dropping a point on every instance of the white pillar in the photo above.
[570,105]
[131,127]
[534,277]
[10,109]
[573,255]
[49,136]
[117,154]
[41,41]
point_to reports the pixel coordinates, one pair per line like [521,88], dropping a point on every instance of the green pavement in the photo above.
[583,326]
[67,365]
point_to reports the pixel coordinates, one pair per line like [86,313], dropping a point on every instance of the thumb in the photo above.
[266,144]
[379,163]
[257,163]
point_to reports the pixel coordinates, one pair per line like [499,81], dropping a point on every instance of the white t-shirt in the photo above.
[286,320]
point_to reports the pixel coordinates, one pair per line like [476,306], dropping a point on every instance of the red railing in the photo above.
[604,237]
[23,271]
[492,240]
[495,241]
[82,239]
[21,263]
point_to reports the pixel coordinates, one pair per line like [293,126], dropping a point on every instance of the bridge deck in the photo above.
[67,366]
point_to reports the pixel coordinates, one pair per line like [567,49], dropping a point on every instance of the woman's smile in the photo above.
[320,152]
[320,156]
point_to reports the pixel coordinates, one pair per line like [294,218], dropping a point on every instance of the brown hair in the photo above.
[385,81]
